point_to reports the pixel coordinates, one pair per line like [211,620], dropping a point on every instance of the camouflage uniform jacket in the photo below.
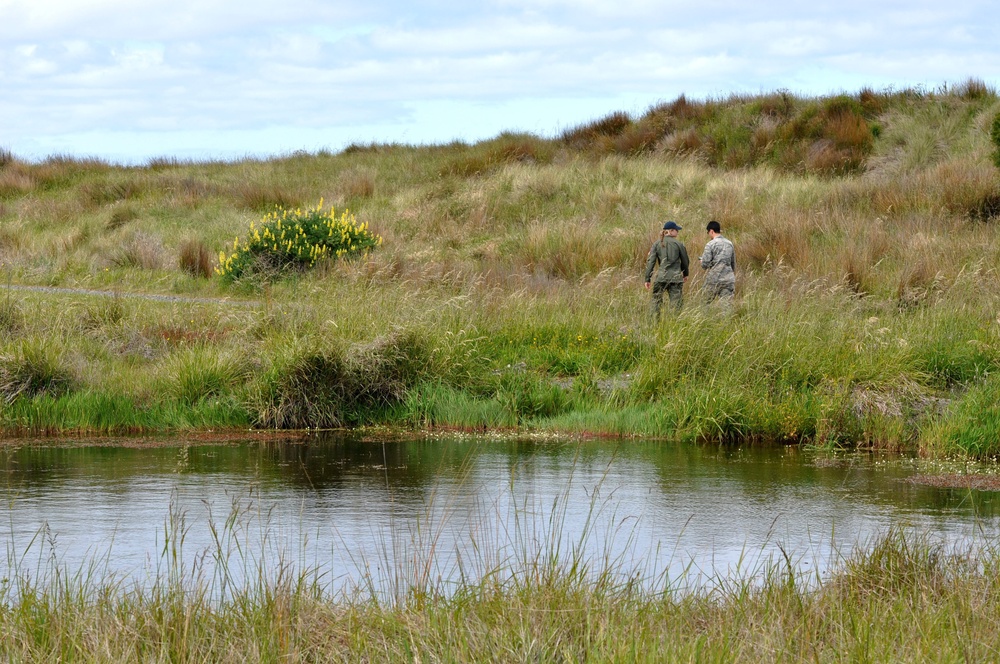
[672,256]
[719,258]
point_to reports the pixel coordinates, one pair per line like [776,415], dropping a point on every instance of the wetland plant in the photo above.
[326,387]
[30,367]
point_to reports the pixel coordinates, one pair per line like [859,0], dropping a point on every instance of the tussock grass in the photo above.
[357,184]
[138,250]
[198,372]
[11,316]
[263,197]
[29,368]
[327,387]
[866,236]
[121,215]
[196,259]
[106,312]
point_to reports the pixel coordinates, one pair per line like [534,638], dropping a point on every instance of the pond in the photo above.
[381,514]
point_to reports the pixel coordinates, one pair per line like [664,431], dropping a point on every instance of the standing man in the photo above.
[672,256]
[719,258]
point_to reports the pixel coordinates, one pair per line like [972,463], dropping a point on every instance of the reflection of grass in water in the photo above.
[520,592]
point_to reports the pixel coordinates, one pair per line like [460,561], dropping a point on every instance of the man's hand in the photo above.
[647,285]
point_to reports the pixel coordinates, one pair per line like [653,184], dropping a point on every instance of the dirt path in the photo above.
[138,296]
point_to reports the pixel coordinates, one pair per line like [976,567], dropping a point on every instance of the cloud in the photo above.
[106,20]
[97,67]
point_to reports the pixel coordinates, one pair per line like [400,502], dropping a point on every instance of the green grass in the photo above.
[866,236]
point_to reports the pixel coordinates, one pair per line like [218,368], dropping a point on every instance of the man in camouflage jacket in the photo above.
[672,256]
[719,258]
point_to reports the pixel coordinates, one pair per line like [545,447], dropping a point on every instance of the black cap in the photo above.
[671,226]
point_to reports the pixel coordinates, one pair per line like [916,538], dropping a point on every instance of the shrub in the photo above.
[296,239]
[32,367]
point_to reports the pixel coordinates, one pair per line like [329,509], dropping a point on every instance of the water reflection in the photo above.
[352,506]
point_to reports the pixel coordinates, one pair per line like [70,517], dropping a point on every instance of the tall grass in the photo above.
[29,368]
[866,243]
[311,386]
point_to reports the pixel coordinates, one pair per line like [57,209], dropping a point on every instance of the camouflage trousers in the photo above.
[724,291]
[675,293]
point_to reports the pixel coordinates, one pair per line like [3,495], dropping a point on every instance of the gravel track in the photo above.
[137,296]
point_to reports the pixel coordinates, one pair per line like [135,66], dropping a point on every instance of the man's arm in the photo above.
[708,256]
[685,261]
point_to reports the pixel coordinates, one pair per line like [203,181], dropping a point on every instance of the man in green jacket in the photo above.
[672,256]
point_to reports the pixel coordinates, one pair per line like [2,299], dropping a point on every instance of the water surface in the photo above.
[381,513]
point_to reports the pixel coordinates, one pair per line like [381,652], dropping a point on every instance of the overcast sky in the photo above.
[127,80]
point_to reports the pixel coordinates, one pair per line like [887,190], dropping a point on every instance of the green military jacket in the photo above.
[672,256]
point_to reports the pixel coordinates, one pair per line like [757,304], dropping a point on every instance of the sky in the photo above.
[131,80]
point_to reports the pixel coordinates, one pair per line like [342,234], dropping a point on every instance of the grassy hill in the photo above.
[507,291]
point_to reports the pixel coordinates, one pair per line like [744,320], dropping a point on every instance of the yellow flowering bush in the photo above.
[289,239]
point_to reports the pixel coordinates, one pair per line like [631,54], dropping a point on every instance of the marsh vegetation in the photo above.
[507,294]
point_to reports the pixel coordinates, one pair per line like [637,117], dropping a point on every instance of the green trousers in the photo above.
[675,293]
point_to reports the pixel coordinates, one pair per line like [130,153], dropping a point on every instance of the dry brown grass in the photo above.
[779,239]
[493,155]
[636,139]
[138,250]
[12,242]
[73,239]
[96,194]
[973,89]
[15,181]
[187,191]
[357,183]
[195,258]
[965,188]
[584,136]
[573,249]
[63,170]
[683,142]
[261,197]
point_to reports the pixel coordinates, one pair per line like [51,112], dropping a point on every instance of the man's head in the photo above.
[671,228]
[714,228]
